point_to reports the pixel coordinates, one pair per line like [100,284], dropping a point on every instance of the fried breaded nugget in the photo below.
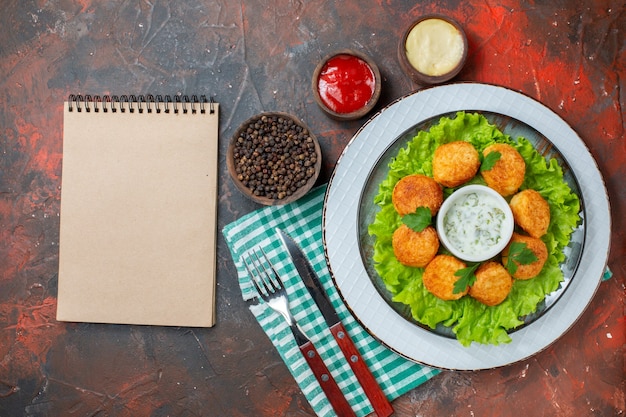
[507,174]
[493,284]
[455,163]
[413,248]
[415,191]
[531,212]
[537,247]
[439,277]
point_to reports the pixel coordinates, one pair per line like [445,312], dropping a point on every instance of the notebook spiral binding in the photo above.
[141,104]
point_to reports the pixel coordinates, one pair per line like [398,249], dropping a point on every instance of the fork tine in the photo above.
[264,276]
[261,270]
[273,279]
[254,278]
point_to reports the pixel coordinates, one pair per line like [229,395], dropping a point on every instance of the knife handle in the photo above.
[326,381]
[379,401]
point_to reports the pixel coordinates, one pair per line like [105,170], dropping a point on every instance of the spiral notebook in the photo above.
[138,211]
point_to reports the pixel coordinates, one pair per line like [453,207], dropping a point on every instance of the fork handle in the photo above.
[374,393]
[326,381]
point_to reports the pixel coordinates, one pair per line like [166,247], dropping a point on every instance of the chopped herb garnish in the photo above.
[466,278]
[419,220]
[490,160]
[519,254]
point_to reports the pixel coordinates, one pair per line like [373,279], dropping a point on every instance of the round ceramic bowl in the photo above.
[346,84]
[475,223]
[433,49]
[273,158]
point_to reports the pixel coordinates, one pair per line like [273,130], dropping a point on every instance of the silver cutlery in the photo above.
[381,405]
[271,290]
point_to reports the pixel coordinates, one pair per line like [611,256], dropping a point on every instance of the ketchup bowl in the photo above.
[346,84]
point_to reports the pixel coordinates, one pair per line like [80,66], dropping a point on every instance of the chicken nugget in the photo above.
[455,163]
[507,174]
[413,248]
[439,277]
[537,247]
[415,191]
[493,284]
[531,212]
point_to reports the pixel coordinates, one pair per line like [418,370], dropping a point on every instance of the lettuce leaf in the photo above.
[470,320]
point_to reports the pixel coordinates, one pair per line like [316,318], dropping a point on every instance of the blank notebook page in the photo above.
[138,217]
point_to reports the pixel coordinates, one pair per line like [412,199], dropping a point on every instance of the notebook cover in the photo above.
[138,218]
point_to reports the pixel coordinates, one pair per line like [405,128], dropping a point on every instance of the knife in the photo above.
[377,398]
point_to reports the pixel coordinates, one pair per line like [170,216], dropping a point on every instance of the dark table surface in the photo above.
[255,56]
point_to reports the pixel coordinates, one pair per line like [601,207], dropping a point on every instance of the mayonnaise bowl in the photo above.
[433,49]
[475,223]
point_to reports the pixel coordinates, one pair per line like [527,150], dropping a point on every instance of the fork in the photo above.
[271,290]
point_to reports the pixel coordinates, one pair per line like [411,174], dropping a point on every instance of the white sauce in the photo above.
[434,47]
[474,224]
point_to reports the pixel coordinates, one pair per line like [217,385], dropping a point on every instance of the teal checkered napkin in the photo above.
[303,221]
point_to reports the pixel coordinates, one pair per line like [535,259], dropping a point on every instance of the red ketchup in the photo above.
[346,83]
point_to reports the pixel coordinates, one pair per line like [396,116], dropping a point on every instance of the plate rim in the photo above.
[526,341]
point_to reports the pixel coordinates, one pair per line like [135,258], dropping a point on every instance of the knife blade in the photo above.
[309,277]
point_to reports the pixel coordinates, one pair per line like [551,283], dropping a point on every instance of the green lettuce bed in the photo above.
[470,320]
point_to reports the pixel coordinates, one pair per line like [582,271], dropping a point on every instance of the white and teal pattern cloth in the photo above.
[303,221]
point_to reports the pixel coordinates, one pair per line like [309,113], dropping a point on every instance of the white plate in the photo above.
[342,240]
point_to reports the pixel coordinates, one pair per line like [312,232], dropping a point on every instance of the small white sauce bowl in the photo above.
[507,225]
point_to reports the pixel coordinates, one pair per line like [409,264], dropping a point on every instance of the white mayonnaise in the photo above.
[434,47]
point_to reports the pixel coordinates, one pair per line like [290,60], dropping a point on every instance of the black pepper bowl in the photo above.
[273,158]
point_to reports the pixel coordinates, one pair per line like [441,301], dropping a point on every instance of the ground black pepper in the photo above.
[274,156]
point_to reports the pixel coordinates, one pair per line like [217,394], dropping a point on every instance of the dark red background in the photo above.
[254,56]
